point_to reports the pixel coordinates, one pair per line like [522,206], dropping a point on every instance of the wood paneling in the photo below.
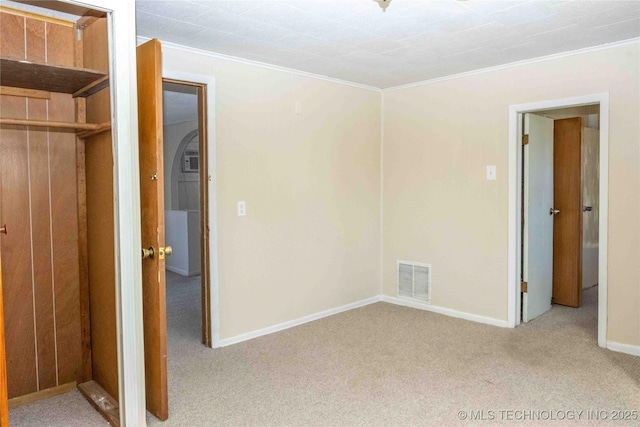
[44,18]
[100,238]
[60,45]
[83,251]
[96,46]
[35,45]
[39,170]
[64,214]
[567,225]
[12,43]
[41,262]
[4,408]
[100,219]
[39,204]
[16,253]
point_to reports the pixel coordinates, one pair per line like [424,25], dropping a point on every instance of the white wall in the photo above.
[182,233]
[310,240]
[439,209]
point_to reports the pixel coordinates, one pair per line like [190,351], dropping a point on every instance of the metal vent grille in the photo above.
[414,281]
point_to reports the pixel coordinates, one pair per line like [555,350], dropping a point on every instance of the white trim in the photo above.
[297,322]
[210,82]
[633,350]
[129,314]
[446,311]
[603,223]
[263,65]
[516,64]
[514,232]
[381,260]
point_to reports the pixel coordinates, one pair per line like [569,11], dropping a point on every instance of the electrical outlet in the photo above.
[242,208]
[491,173]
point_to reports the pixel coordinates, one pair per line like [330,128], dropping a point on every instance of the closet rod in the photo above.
[48,124]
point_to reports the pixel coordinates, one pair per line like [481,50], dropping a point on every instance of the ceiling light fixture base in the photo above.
[383,4]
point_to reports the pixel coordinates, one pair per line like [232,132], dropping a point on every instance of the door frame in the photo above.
[209,83]
[121,30]
[514,269]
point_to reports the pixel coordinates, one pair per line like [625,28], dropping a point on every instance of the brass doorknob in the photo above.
[148,253]
[554,211]
[165,251]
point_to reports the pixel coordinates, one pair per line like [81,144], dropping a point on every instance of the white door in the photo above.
[537,251]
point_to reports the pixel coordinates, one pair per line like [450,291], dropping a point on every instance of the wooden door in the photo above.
[537,255]
[149,65]
[4,406]
[567,227]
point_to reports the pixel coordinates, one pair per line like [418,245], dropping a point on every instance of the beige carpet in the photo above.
[384,365]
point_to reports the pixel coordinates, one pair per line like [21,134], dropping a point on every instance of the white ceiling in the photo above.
[412,41]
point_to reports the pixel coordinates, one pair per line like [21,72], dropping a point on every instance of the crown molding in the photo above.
[249,62]
[262,65]
[516,64]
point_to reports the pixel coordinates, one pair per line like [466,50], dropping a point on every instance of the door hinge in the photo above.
[525,139]
[523,287]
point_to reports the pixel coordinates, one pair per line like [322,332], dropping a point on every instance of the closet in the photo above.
[57,204]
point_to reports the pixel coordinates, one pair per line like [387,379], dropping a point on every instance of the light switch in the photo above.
[491,173]
[242,208]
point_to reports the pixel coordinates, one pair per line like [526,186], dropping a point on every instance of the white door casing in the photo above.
[514,211]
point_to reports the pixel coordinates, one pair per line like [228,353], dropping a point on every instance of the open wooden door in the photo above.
[567,231]
[4,405]
[149,65]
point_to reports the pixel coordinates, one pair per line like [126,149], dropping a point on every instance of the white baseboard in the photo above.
[177,270]
[182,272]
[634,350]
[446,311]
[296,322]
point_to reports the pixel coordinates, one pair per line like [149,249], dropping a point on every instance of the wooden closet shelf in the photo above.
[92,128]
[52,78]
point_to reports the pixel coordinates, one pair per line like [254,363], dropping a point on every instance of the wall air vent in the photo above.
[414,281]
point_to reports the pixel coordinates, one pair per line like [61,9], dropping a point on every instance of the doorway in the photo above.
[559,207]
[186,209]
[515,251]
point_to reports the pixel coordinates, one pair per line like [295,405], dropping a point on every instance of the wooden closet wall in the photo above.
[56,197]
[39,206]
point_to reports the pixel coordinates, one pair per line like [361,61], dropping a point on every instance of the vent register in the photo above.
[414,281]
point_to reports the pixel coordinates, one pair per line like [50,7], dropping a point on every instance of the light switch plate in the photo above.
[242,208]
[491,173]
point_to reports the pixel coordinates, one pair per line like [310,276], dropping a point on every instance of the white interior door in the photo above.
[537,251]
